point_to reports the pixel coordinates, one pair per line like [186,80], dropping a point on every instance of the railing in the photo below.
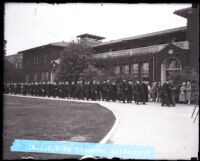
[142,50]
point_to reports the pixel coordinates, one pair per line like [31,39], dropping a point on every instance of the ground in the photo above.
[42,119]
[169,130]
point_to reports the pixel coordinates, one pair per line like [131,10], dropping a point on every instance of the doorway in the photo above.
[169,67]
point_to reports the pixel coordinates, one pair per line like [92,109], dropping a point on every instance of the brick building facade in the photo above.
[150,57]
[39,62]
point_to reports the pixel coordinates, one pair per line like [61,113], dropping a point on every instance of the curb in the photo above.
[109,134]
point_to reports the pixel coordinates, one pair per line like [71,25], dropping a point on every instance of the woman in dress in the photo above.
[183,94]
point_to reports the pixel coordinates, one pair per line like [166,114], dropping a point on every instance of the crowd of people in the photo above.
[124,91]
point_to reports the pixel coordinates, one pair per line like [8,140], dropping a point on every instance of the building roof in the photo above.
[143,36]
[62,44]
[58,44]
[91,36]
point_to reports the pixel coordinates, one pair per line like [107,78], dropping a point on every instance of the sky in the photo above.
[28,25]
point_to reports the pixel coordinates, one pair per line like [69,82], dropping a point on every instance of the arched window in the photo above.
[174,65]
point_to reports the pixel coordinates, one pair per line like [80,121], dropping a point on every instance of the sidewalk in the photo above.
[170,130]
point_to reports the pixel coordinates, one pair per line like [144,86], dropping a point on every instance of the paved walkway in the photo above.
[170,130]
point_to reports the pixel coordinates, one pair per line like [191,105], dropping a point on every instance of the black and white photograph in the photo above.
[101,80]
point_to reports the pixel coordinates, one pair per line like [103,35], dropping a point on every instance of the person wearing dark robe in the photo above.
[87,90]
[59,89]
[129,91]
[48,89]
[55,89]
[18,88]
[114,91]
[43,89]
[108,90]
[31,88]
[144,93]
[104,90]
[123,91]
[164,94]
[93,90]
[98,90]
[40,89]
[12,88]
[72,89]
[26,89]
[80,90]
[137,92]
[36,89]
[66,89]
[171,93]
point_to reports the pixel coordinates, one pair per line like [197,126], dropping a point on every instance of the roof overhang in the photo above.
[91,36]
[183,12]
[143,36]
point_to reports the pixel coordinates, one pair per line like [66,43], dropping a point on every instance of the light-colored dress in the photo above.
[183,95]
[188,92]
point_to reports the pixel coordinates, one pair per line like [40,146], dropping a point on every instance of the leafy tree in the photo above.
[4,47]
[91,73]
[74,59]
[10,72]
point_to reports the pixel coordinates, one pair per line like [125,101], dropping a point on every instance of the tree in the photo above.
[73,60]
[4,47]
[10,72]
[91,73]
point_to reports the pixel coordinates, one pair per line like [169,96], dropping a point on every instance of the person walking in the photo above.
[171,93]
[158,91]
[137,92]
[183,95]
[130,91]
[143,92]
[153,91]
[188,92]
[164,94]
[108,90]
[113,91]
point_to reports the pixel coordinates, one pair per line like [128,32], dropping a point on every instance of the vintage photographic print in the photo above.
[102,80]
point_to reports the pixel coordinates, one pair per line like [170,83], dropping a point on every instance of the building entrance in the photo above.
[169,68]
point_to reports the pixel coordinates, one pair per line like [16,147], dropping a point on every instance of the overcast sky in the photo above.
[30,25]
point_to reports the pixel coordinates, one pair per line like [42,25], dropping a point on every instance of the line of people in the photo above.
[125,91]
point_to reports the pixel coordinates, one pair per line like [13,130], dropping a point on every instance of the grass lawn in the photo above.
[43,119]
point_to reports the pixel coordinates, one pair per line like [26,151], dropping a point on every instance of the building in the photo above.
[39,63]
[150,57]
[192,16]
